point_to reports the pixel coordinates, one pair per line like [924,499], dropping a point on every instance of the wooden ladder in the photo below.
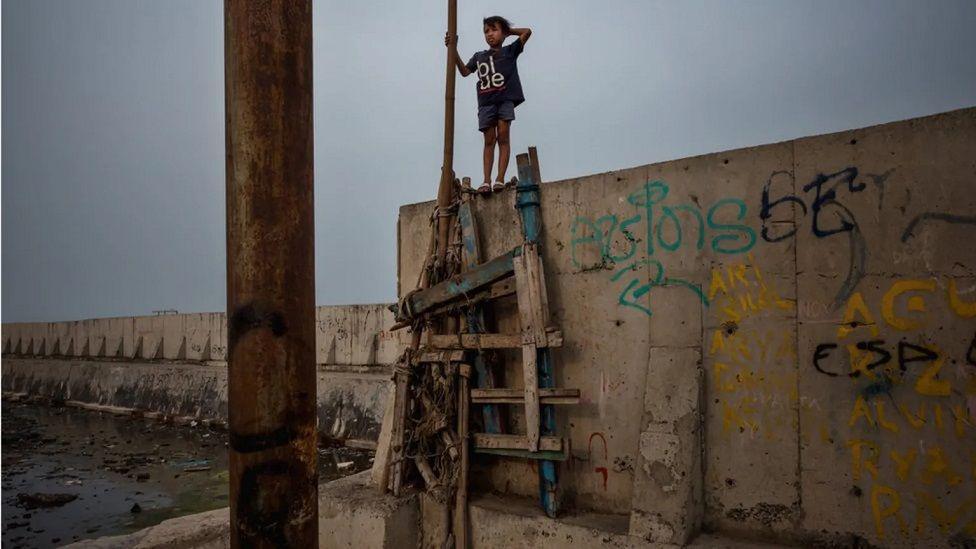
[538,394]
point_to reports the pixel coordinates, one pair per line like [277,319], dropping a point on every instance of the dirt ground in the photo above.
[71,474]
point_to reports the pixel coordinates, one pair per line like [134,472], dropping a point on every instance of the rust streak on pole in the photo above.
[270,273]
[445,190]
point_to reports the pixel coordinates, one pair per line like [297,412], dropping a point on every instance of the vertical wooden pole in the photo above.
[461,540]
[444,192]
[270,273]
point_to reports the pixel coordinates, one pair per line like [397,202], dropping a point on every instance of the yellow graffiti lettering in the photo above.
[860,361]
[936,465]
[915,305]
[962,308]
[943,519]
[903,464]
[928,384]
[962,419]
[891,426]
[857,312]
[890,510]
[718,343]
[938,417]
[860,410]
[864,457]
[732,418]
[916,420]
[737,271]
[716,285]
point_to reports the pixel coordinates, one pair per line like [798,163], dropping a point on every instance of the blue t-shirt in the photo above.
[498,78]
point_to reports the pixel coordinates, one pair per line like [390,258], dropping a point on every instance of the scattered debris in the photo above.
[33,501]
[135,508]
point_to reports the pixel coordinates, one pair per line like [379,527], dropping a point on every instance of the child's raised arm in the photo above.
[457,57]
[523,34]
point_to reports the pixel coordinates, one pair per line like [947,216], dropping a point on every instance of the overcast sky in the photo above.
[113,120]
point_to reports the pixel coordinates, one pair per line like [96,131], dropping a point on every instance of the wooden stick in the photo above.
[444,192]
[461,504]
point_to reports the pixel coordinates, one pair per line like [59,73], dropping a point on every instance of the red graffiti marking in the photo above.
[604,471]
[589,451]
[589,445]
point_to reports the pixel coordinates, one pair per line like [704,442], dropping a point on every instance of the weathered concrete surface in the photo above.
[210,530]
[694,294]
[350,404]
[174,365]
[351,514]
[346,335]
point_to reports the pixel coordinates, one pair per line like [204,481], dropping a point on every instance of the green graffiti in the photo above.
[664,234]
[743,229]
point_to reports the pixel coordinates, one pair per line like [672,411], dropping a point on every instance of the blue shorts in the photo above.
[489,115]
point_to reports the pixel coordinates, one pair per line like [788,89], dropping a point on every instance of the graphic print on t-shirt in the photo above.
[498,77]
[489,80]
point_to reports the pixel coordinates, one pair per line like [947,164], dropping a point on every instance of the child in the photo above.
[499,91]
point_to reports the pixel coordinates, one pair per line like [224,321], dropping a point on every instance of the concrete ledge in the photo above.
[350,398]
[519,523]
[352,513]
[210,530]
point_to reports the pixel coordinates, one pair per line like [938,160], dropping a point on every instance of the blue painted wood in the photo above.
[475,317]
[527,202]
[459,286]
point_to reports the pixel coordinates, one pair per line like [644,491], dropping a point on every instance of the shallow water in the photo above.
[113,463]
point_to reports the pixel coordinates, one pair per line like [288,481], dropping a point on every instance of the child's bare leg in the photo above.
[489,154]
[504,148]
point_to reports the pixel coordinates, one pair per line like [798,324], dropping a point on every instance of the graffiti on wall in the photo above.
[751,361]
[635,247]
[914,406]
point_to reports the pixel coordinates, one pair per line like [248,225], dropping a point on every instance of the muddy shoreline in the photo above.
[125,472]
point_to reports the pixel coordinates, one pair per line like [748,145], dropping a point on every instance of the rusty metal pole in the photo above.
[270,273]
[445,190]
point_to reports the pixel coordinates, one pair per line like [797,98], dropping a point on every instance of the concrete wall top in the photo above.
[353,335]
[778,339]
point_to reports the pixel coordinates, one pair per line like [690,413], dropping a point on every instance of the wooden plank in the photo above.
[461,496]
[458,286]
[516,442]
[442,355]
[522,283]
[397,439]
[516,396]
[538,310]
[527,200]
[381,472]
[540,455]
[530,388]
[486,341]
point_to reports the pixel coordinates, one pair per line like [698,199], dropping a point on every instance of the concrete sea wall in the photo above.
[176,365]
[777,341]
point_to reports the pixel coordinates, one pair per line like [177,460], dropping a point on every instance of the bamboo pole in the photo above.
[444,192]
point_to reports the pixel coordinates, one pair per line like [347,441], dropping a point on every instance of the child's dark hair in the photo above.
[500,21]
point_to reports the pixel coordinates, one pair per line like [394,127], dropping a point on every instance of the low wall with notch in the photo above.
[776,341]
[175,365]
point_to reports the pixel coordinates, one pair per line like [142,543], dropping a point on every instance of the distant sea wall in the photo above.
[175,365]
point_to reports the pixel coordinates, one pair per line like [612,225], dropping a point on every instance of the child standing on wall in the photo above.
[499,91]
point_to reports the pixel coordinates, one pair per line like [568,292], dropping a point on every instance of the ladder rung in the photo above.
[490,441]
[442,356]
[488,341]
[517,396]
[551,456]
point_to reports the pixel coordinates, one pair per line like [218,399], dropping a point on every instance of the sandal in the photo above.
[485,188]
[498,186]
